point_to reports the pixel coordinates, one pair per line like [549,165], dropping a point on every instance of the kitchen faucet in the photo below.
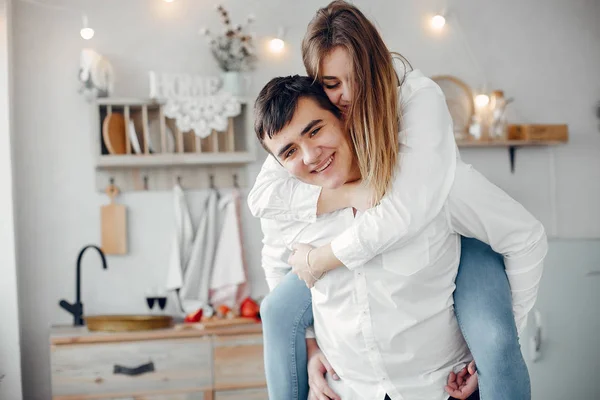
[77,308]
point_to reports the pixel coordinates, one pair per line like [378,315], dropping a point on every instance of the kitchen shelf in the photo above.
[511,145]
[142,149]
[174,160]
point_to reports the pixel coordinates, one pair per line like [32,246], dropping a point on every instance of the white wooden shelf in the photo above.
[174,159]
[506,143]
[142,149]
[511,145]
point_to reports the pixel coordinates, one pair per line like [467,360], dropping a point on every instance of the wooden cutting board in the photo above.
[114,224]
[217,323]
[113,133]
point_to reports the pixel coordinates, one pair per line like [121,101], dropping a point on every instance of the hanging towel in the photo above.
[244,288]
[228,269]
[194,293]
[181,241]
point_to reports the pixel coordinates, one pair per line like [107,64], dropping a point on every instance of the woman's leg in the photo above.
[483,306]
[286,313]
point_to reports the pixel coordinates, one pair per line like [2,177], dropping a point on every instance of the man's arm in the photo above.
[481,210]
[274,253]
[278,195]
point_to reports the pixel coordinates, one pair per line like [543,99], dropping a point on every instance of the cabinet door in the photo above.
[568,302]
[238,362]
[180,365]
[246,394]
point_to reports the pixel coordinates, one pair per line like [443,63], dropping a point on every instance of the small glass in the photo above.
[151,297]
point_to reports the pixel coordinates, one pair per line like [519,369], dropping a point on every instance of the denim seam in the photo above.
[293,347]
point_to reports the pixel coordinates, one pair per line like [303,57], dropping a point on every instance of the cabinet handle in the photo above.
[142,369]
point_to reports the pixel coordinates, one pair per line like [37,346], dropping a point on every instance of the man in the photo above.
[388,328]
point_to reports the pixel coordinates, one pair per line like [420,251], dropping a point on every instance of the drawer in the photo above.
[87,369]
[246,394]
[238,362]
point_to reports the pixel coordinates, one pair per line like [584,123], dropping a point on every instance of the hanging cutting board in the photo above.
[114,224]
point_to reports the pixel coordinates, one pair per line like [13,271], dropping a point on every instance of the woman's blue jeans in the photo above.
[483,307]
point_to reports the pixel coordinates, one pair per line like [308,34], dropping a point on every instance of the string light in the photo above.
[482,100]
[276,45]
[86,32]
[438,22]
[169,1]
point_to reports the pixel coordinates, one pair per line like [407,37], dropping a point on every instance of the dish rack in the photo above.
[138,148]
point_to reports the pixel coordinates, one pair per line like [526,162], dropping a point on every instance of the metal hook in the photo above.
[235,181]
[179,180]
[145,182]
[212,181]
[112,180]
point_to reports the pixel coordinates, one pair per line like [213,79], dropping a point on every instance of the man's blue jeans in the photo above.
[483,308]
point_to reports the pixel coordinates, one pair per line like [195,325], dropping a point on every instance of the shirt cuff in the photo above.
[348,248]
[310,333]
[305,199]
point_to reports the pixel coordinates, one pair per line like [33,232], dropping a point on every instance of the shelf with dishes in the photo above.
[480,121]
[524,135]
[139,148]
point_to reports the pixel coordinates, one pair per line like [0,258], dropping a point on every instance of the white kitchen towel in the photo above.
[181,241]
[228,269]
[244,288]
[194,293]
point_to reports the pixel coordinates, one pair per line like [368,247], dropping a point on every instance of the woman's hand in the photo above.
[299,266]
[463,384]
[318,366]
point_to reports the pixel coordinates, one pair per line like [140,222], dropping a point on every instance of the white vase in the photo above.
[233,82]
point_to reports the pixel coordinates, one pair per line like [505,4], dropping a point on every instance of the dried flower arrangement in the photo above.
[234,48]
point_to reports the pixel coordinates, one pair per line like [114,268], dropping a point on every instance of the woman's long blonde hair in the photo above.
[373,115]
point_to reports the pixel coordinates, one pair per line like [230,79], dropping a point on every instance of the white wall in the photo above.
[10,346]
[542,52]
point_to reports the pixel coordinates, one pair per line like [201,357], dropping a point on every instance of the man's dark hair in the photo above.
[276,104]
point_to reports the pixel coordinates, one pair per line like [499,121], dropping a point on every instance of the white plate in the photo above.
[154,137]
[135,144]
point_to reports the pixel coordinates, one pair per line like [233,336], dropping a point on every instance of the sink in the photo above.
[127,323]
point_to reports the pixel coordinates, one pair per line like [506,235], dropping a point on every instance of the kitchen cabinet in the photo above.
[187,364]
[569,358]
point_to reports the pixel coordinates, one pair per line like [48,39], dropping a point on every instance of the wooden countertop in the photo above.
[68,335]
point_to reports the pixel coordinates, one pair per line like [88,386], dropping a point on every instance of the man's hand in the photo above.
[318,366]
[463,384]
[298,262]
[361,196]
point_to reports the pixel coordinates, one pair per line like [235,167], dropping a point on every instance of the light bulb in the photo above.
[482,100]
[87,33]
[276,45]
[169,1]
[438,22]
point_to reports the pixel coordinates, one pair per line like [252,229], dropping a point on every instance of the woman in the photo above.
[344,52]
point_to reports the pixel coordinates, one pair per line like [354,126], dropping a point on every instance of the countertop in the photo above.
[68,335]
